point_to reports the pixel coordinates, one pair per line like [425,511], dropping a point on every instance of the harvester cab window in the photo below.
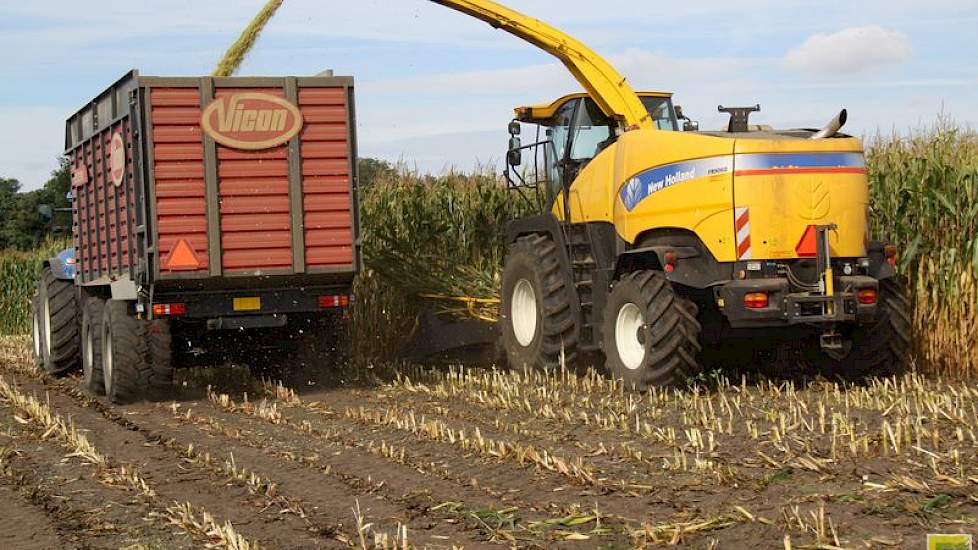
[559,133]
[592,132]
[662,112]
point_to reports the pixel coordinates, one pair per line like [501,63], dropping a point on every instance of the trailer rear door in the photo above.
[251,176]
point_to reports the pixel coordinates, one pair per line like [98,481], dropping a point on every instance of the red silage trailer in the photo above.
[200,206]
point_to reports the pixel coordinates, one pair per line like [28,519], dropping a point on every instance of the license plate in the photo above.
[247,304]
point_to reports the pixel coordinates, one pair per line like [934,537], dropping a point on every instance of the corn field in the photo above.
[925,199]
[439,236]
[18,277]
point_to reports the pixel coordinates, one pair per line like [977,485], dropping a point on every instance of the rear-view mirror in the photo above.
[45,212]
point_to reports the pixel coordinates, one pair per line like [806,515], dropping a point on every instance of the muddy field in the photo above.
[444,458]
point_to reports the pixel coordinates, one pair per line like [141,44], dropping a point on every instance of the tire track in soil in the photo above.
[537,489]
[605,449]
[442,485]
[600,451]
[51,502]
[322,497]
[746,484]
[178,480]
[516,480]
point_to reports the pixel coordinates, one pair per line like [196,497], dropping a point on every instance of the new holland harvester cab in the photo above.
[657,242]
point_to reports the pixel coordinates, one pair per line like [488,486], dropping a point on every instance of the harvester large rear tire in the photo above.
[883,348]
[60,322]
[538,323]
[651,335]
[93,376]
[136,355]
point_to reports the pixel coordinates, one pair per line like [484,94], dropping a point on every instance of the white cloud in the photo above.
[850,50]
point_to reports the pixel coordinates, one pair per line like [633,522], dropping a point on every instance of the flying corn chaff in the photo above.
[236,54]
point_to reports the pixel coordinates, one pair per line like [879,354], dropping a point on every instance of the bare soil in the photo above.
[448,457]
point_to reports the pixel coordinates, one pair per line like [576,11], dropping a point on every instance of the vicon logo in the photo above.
[251,121]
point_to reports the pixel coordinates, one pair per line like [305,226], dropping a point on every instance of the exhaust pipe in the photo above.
[833,127]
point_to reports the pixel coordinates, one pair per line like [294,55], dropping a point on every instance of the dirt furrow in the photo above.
[544,490]
[329,500]
[393,471]
[54,502]
[178,479]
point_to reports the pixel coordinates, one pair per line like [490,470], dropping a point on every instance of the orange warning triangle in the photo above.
[181,258]
[807,246]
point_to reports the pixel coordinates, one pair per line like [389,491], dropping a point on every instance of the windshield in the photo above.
[662,113]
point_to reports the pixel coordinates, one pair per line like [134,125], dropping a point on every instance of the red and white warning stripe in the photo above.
[742,226]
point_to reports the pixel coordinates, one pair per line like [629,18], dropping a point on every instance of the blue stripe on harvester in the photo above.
[652,181]
[765,161]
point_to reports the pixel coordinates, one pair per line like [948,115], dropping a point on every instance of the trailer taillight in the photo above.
[755,300]
[867,296]
[169,310]
[326,302]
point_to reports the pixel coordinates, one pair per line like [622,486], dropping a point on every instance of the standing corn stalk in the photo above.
[925,198]
[236,53]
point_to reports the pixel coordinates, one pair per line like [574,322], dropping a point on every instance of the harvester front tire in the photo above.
[538,323]
[136,355]
[651,335]
[883,348]
[60,320]
[93,376]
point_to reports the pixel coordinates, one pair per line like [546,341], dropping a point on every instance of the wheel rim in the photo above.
[524,312]
[107,360]
[36,331]
[631,351]
[89,350]
[46,343]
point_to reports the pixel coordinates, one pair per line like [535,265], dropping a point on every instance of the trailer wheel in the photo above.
[538,325]
[135,354]
[651,335]
[160,354]
[59,324]
[91,339]
[883,348]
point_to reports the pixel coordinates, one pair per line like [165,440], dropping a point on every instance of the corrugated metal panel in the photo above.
[102,211]
[326,163]
[254,190]
[179,173]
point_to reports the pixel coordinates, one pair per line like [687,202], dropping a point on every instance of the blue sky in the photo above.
[436,88]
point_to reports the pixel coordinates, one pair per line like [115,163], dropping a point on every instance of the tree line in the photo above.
[22,226]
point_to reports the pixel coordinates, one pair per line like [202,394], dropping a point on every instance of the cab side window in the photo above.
[591,130]
[560,133]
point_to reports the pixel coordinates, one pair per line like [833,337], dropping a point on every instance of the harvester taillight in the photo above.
[867,296]
[755,300]
[670,259]
[808,245]
[890,252]
[169,310]
[328,302]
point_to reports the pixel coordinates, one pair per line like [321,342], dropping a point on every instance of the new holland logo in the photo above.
[251,121]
